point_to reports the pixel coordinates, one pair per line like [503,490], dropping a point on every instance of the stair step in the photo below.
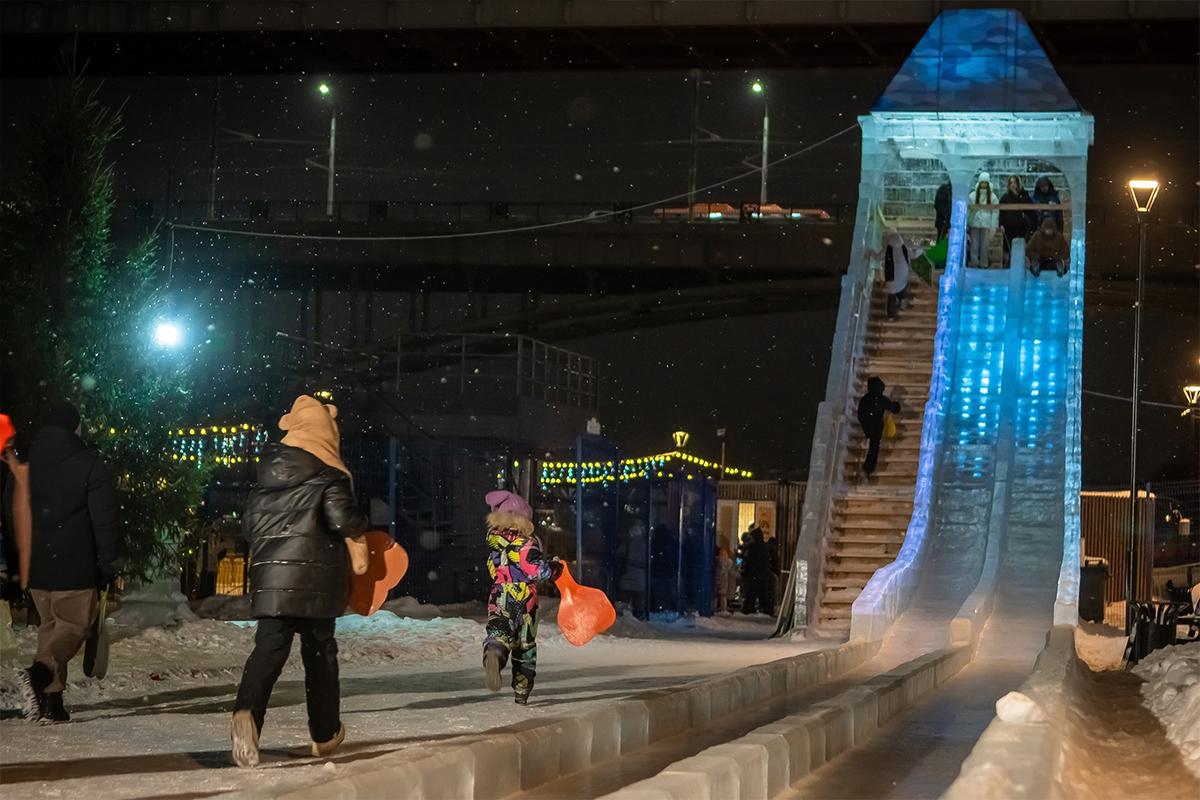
[905,365]
[840,596]
[879,553]
[895,522]
[833,627]
[895,450]
[864,568]
[845,582]
[837,613]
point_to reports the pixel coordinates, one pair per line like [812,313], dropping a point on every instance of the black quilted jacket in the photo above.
[297,516]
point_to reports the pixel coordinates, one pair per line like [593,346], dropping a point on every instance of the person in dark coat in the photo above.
[1015,223]
[299,516]
[1044,193]
[941,210]
[756,573]
[871,408]
[1048,249]
[73,552]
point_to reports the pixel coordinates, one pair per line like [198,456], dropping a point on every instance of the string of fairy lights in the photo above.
[241,443]
[672,464]
[225,445]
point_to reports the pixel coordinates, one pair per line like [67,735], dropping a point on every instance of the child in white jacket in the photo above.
[982,222]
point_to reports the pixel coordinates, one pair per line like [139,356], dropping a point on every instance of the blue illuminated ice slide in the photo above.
[993,537]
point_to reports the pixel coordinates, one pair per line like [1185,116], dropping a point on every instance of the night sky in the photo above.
[599,137]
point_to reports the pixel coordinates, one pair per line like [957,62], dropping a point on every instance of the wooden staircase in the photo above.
[870,520]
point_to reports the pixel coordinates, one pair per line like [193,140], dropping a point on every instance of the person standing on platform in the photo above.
[941,211]
[1044,193]
[1015,223]
[982,222]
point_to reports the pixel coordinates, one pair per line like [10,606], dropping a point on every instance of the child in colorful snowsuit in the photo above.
[516,565]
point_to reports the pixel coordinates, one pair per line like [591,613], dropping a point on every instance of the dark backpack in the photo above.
[889,262]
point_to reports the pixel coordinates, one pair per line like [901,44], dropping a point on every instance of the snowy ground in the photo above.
[157,726]
[1172,693]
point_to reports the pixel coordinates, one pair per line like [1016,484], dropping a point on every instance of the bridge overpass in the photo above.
[202,37]
[527,268]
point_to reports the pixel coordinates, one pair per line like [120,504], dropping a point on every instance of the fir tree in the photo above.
[77,321]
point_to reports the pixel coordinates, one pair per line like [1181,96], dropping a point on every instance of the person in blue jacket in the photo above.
[1045,194]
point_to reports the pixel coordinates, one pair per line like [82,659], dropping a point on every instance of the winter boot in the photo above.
[322,749]
[244,734]
[55,711]
[34,681]
[522,687]
[491,667]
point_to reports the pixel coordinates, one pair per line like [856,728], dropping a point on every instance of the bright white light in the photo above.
[757,87]
[168,335]
[1143,193]
[323,88]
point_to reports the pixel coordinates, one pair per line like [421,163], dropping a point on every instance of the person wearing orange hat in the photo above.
[301,519]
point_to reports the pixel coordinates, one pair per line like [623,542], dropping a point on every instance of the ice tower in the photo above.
[988,512]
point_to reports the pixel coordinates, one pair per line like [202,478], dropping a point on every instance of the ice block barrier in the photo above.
[1018,757]
[768,760]
[520,757]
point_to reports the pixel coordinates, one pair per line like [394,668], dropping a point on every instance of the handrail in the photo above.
[891,587]
[829,439]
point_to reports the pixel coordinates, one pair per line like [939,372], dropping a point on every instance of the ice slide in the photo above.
[976,620]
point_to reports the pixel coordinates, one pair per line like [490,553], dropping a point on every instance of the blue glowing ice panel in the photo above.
[977,60]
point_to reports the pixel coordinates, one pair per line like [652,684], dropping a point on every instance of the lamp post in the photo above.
[326,92]
[760,89]
[1143,192]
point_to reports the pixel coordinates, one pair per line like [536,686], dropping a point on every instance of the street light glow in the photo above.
[323,88]
[168,335]
[757,87]
[1143,192]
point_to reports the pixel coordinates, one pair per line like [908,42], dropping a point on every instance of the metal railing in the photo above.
[516,366]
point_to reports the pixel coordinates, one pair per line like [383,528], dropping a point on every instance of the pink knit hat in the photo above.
[501,500]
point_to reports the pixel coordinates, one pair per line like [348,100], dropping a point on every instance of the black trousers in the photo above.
[318,649]
[872,453]
[757,594]
[893,302]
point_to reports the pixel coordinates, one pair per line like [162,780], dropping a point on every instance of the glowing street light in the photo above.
[759,88]
[167,335]
[1143,193]
[325,91]
[1192,393]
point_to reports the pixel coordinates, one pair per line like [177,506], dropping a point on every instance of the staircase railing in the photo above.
[832,433]
[889,590]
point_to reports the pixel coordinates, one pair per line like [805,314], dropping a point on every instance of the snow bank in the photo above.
[1099,646]
[223,606]
[1172,693]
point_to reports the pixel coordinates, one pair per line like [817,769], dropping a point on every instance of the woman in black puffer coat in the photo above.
[298,517]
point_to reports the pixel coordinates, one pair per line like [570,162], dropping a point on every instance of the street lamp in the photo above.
[167,335]
[759,88]
[1143,192]
[325,91]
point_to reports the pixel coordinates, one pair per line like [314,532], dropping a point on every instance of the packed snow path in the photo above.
[158,725]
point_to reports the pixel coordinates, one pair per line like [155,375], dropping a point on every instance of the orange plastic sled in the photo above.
[583,612]
[6,430]
[388,564]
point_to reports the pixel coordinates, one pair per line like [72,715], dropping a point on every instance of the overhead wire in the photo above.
[593,217]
